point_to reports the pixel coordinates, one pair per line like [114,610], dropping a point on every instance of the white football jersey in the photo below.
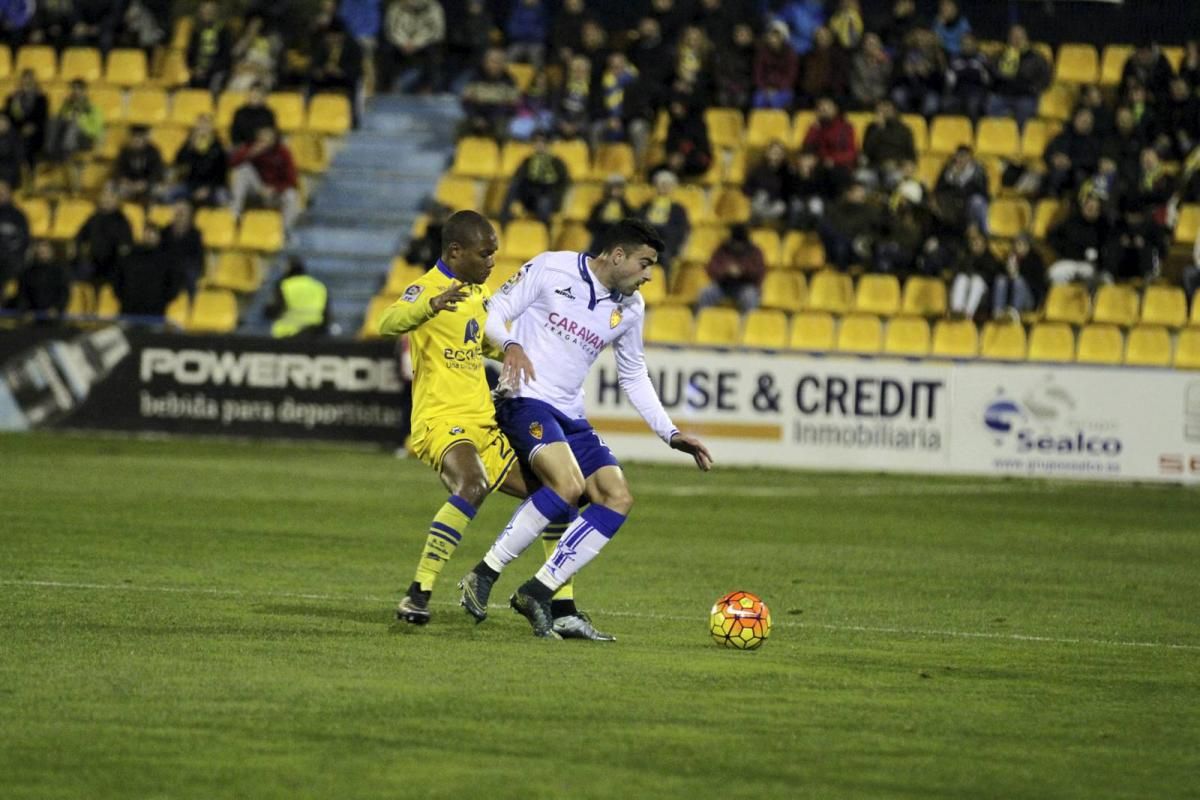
[563,317]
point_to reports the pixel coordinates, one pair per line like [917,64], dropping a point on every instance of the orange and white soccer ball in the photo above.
[740,620]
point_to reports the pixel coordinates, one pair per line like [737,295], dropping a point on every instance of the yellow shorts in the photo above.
[431,439]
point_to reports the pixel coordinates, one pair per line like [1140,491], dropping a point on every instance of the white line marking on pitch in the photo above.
[931,633]
[816,491]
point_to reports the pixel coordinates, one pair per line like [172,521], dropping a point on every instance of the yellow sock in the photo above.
[445,532]
[549,541]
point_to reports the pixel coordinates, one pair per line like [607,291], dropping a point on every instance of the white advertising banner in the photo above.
[793,410]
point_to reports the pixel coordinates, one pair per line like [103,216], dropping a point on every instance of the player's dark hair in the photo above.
[466,228]
[629,234]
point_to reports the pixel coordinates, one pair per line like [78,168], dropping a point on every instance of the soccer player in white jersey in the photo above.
[565,308]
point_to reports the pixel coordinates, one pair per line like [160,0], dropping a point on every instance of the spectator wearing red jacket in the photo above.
[775,68]
[265,168]
[737,269]
[831,140]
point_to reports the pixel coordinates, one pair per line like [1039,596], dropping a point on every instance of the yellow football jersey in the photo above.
[447,349]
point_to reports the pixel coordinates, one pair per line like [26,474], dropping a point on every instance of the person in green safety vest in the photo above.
[301,304]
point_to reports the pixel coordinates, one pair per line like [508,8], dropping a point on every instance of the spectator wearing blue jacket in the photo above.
[528,24]
[803,17]
[15,16]
[950,26]
[363,19]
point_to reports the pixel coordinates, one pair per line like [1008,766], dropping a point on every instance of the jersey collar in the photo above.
[586,274]
[442,268]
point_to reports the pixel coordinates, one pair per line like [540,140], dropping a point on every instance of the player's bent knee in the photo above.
[569,488]
[473,489]
[620,501]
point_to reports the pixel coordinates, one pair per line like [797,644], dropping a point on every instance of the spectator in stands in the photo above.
[668,216]
[145,282]
[978,268]
[803,18]
[736,269]
[767,186]
[734,60]
[870,73]
[257,55]
[1071,156]
[1106,186]
[692,56]
[671,16]
[182,247]
[1019,75]
[905,229]
[337,64]
[466,42]
[1125,145]
[1191,273]
[566,33]
[45,286]
[825,69]
[903,21]
[573,105]
[1177,121]
[51,23]
[647,54]
[776,67]
[831,139]
[1187,187]
[252,117]
[140,171]
[14,235]
[1154,187]
[104,239]
[363,20]
[413,33]
[528,25]
[75,130]
[968,79]
[1189,68]
[1138,246]
[920,74]
[209,49]
[611,208]
[1148,67]
[145,24]
[962,190]
[533,111]
[689,151]
[266,170]
[538,185]
[201,166]
[850,228]
[12,152]
[1020,285]
[846,25]
[490,97]
[1078,243]
[96,23]
[1092,98]
[616,81]
[301,304]
[888,146]
[28,110]
[950,27]
[426,249]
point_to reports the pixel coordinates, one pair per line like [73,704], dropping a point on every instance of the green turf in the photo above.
[200,620]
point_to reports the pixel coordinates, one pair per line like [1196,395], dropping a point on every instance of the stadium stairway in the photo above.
[361,213]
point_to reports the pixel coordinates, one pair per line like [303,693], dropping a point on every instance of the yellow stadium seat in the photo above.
[1188,227]
[524,239]
[808,255]
[1035,136]
[69,216]
[929,169]
[572,236]
[401,275]
[907,336]
[94,175]
[765,328]
[1047,214]
[638,194]
[1008,218]
[1099,344]
[174,70]
[1187,349]
[217,227]
[126,68]
[111,102]
[476,157]
[309,152]
[179,310]
[1077,63]
[949,133]
[1194,320]
[831,291]
[669,325]
[580,201]
[687,284]
[261,230]
[1057,102]
[1051,341]
[511,156]
[654,291]
[493,198]
[504,269]
[39,58]
[214,311]
[1003,341]
[877,294]
[717,327]
[146,107]
[137,218]
[1174,55]
[370,326]
[457,193]
[732,206]
[802,123]
[329,114]
[767,240]
[812,330]
[5,62]
[574,153]
[1068,303]
[81,63]
[998,136]
[614,158]
[1116,304]
[860,333]
[1112,63]
[522,74]
[955,339]
[107,304]
[766,125]
[1164,305]
[923,297]
[235,271]
[82,298]
[695,201]
[168,139]
[160,215]
[37,212]
[920,130]
[1148,346]
[289,110]
[725,127]
[860,121]
[702,242]
[783,291]
[188,104]
[227,105]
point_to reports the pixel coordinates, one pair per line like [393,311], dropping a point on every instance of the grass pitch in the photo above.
[201,620]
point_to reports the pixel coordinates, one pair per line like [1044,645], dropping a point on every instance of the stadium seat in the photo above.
[1047,214]
[69,216]
[1188,227]
[949,132]
[136,215]
[1099,344]
[217,227]
[783,291]
[695,200]
[522,74]
[1116,304]
[1148,346]
[476,157]
[214,311]
[1112,63]
[457,193]
[82,63]
[920,131]
[1194,320]
[329,114]
[717,326]
[766,329]
[309,151]
[812,330]
[805,253]
[1174,55]
[669,325]
[802,122]
[724,127]
[765,126]
[831,291]
[126,67]
[580,200]
[39,58]
[289,110]
[37,212]
[998,136]
[1035,136]
[227,105]
[146,107]
[1051,341]
[654,291]
[494,196]
[5,62]
[188,104]
[235,271]
[860,121]
[877,294]
[1187,349]
[375,309]
[1068,302]
[924,297]
[1003,341]
[504,269]
[732,206]
[687,284]
[574,153]
[261,230]
[701,243]
[107,305]
[767,240]
[1164,305]
[1008,218]
[179,310]
[907,336]
[168,139]
[614,158]
[174,70]
[1057,102]
[860,333]
[81,299]
[572,236]
[400,275]
[524,239]
[1077,63]
[929,169]
[955,339]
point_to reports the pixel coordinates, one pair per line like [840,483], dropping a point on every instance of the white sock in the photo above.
[526,524]
[581,542]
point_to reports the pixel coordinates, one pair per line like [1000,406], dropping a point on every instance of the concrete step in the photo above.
[339,240]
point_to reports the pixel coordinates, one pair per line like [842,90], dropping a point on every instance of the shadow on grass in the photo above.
[369,616]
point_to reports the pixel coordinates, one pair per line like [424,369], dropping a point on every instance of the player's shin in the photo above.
[544,507]
[583,540]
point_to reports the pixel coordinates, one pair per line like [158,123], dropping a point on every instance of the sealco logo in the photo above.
[1045,421]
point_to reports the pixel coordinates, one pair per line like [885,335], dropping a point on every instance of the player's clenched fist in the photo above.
[449,299]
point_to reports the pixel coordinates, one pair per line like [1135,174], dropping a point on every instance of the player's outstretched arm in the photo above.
[411,310]
[686,443]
